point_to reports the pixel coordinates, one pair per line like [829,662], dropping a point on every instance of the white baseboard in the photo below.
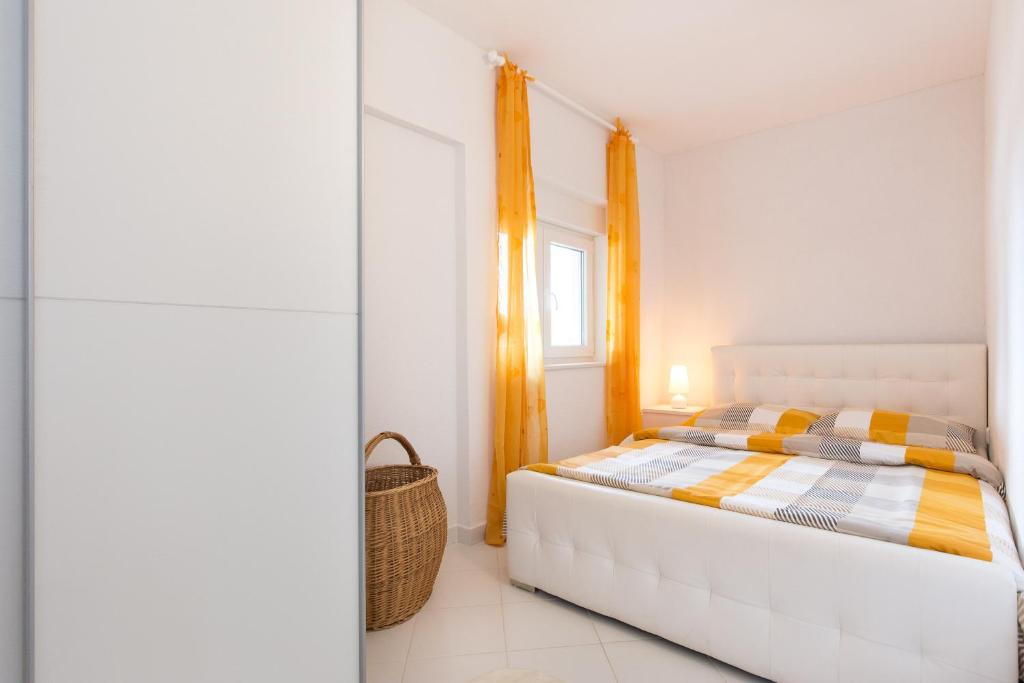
[466,535]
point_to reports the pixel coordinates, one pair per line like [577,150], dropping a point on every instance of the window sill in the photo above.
[574,365]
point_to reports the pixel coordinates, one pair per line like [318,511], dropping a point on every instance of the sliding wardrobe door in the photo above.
[12,335]
[196,491]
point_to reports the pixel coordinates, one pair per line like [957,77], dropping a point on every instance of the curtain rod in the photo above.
[495,59]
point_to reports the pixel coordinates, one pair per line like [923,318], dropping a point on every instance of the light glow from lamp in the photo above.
[679,385]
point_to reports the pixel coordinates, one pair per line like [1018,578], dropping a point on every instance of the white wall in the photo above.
[568,154]
[1005,252]
[410,305]
[653,275]
[12,304]
[449,93]
[196,498]
[569,162]
[860,226]
[420,73]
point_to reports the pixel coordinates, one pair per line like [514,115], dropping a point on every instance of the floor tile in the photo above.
[465,588]
[457,631]
[461,669]
[659,661]
[510,593]
[459,557]
[614,631]
[502,556]
[734,675]
[390,644]
[577,664]
[475,614]
[546,623]
[384,672]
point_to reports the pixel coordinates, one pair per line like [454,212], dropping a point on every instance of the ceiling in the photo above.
[684,73]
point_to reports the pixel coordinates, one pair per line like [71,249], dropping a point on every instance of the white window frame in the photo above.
[594,248]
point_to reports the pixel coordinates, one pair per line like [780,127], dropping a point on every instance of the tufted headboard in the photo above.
[948,380]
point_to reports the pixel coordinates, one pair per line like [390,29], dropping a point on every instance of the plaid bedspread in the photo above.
[944,501]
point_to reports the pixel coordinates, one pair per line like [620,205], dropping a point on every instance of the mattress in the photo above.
[927,497]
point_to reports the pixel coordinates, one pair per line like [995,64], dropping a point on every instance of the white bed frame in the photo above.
[783,601]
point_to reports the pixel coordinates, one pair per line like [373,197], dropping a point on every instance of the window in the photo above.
[570,296]
[567,288]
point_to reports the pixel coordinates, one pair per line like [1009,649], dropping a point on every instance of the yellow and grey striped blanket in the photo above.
[931,498]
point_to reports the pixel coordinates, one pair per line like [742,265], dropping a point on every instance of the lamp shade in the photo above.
[679,380]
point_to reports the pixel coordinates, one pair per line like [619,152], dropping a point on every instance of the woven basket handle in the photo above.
[414,458]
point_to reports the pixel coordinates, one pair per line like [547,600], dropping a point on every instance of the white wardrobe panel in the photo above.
[197,152]
[11,458]
[12,335]
[12,151]
[410,322]
[196,479]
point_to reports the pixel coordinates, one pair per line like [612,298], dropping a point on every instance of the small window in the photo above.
[568,294]
[568,304]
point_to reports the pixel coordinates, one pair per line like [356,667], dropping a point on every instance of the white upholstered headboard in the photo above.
[948,380]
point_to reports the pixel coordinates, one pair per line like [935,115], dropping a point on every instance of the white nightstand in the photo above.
[666,416]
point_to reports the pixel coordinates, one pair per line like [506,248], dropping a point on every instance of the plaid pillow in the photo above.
[903,429]
[754,418]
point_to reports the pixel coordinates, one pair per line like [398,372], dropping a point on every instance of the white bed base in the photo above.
[782,601]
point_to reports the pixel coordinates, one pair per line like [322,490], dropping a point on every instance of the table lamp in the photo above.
[678,385]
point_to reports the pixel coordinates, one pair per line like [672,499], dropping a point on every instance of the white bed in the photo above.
[787,602]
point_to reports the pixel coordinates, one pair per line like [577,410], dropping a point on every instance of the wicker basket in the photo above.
[406,532]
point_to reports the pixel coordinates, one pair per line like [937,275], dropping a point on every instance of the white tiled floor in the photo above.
[476,622]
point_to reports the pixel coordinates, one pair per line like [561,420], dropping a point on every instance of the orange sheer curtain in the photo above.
[622,370]
[520,420]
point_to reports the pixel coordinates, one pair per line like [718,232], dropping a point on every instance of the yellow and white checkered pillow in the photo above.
[754,417]
[904,429]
